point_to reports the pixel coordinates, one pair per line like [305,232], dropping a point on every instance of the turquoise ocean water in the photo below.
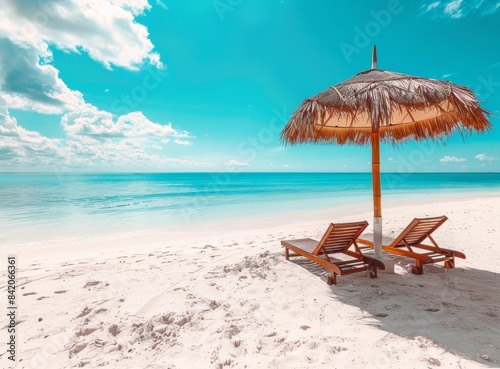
[41,206]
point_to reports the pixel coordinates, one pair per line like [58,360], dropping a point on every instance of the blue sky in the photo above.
[195,85]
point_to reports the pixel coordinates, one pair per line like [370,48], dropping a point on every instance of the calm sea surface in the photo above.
[40,205]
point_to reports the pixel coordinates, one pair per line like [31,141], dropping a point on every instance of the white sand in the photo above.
[230,300]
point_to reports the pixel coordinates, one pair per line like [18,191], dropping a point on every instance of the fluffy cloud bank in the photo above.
[100,125]
[28,82]
[108,32]
[105,29]
[20,146]
[93,139]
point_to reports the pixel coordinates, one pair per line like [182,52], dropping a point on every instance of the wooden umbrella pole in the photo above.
[377,195]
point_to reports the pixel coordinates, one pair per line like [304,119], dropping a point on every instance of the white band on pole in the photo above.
[377,237]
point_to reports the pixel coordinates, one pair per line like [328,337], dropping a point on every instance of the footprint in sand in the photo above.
[214,304]
[114,330]
[223,364]
[91,283]
[76,349]
[85,331]
[84,312]
[434,361]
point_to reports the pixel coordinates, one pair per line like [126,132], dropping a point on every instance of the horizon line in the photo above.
[240,172]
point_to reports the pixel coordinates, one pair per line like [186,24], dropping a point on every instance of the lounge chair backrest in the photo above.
[339,237]
[418,230]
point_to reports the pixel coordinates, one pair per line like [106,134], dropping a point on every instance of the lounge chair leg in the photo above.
[418,268]
[450,263]
[332,279]
[287,255]
[372,272]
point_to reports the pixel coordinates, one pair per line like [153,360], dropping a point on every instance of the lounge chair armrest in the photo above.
[453,253]
[447,252]
[410,254]
[458,254]
[374,262]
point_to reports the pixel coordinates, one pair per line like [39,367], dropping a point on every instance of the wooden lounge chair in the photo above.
[411,239]
[338,238]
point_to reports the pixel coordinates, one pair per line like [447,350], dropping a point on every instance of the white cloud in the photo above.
[448,75]
[451,159]
[105,29]
[29,83]
[453,9]
[432,6]
[161,4]
[182,142]
[20,146]
[457,9]
[93,139]
[484,157]
[108,32]
[392,160]
[236,164]
[100,125]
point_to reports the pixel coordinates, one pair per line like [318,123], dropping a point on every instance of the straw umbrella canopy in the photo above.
[381,106]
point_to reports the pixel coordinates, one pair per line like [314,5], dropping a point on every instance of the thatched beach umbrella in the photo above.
[377,105]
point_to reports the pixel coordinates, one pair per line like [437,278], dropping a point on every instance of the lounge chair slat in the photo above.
[342,240]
